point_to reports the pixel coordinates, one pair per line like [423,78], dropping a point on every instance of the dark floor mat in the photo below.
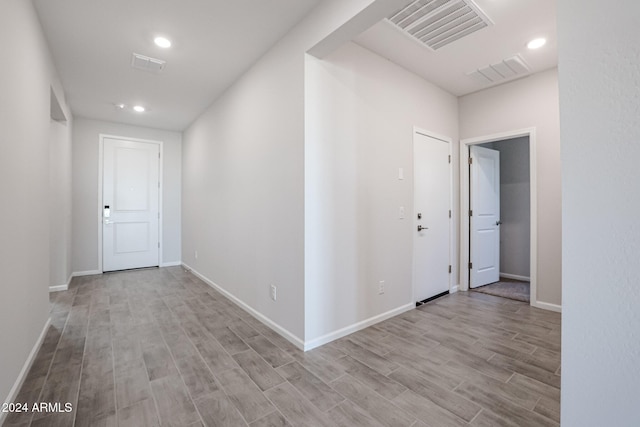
[513,290]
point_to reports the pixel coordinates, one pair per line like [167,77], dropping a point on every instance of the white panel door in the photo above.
[130,202]
[484,221]
[432,202]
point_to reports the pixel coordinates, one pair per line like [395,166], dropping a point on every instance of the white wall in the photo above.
[59,206]
[600,106]
[515,209]
[27,138]
[243,178]
[525,103]
[85,188]
[243,190]
[361,110]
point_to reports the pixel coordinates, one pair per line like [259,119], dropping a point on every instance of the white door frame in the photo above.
[101,138]
[452,258]
[533,205]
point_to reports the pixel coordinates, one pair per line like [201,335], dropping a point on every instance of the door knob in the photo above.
[420,228]
[498,222]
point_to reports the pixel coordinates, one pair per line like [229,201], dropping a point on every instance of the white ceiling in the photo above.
[214,42]
[516,23]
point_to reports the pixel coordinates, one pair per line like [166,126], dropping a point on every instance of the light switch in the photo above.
[401,173]
[401,212]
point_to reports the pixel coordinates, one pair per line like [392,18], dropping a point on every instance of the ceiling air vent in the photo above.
[436,23]
[146,63]
[506,69]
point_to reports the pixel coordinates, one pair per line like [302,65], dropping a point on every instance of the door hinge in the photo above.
[470,161]
[470,265]
[158,184]
[449,213]
[470,212]
[158,215]
[158,244]
[158,155]
[449,269]
[449,158]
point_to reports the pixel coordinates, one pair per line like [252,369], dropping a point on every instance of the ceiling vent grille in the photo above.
[147,63]
[436,23]
[506,69]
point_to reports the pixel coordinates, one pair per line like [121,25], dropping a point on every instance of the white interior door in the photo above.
[484,220]
[130,202]
[432,203]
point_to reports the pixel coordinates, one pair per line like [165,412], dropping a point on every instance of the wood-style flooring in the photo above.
[160,347]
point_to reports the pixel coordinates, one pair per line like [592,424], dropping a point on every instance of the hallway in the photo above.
[160,347]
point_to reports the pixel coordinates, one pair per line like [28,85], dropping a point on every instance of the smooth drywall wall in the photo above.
[526,103]
[600,106]
[59,206]
[243,190]
[243,178]
[242,214]
[361,111]
[86,214]
[26,77]
[515,209]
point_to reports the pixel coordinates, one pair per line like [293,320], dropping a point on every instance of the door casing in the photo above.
[464,204]
[99,219]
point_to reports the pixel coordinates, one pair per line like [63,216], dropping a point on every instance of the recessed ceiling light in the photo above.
[120,106]
[536,43]
[162,42]
[139,108]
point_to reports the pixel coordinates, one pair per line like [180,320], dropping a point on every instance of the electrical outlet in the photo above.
[274,292]
[195,254]
[381,287]
[401,212]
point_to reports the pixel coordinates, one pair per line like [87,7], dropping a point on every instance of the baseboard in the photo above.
[317,342]
[13,393]
[63,287]
[171,264]
[86,273]
[515,277]
[547,306]
[261,317]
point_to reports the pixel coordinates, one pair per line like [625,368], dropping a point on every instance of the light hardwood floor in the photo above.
[160,347]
